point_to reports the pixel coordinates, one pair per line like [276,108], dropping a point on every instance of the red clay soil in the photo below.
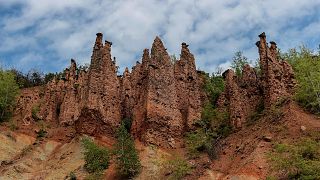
[243,153]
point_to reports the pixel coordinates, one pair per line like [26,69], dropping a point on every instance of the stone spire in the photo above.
[159,54]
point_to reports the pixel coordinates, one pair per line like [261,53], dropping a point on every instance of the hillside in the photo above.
[162,102]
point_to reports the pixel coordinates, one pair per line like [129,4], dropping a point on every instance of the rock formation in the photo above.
[160,97]
[244,95]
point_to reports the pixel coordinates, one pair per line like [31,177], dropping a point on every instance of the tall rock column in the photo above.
[187,87]
[103,92]
[275,73]
[163,119]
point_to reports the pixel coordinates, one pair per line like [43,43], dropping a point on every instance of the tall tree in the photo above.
[127,158]
[8,92]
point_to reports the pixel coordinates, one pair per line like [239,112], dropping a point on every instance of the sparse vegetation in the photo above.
[300,160]
[213,86]
[238,62]
[96,157]
[34,112]
[212,126]
[126,156]
[41,133]
[72,176]
[178,168]
[13,125]
[306,65]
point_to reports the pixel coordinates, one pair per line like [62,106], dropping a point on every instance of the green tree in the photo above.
[306,67]
[213,86]
[8,92]
[96,158]
[127,158]
[238,61]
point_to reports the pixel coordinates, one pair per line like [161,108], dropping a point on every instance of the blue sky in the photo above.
[46,34]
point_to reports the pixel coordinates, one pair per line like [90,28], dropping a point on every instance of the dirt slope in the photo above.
[242,154]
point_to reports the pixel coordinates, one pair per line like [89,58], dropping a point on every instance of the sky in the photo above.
[46,34]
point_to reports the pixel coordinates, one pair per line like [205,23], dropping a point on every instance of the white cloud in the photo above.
[214,29]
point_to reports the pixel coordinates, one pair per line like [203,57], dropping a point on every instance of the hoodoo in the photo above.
[160,96]
[243,95]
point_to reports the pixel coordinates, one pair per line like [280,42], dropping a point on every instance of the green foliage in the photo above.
[179,168]
[34,112]
[127,123]
[306,65]
[72,176]
[96,158]
[238,62]
[300,160]
[212,126]
[213,86]
[8,92]
[127,158]
[41,133]
[48,77]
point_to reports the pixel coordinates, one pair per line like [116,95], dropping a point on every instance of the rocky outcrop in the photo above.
[161,97]
[244,95]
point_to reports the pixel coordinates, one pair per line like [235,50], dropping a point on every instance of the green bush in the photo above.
[127,158]
[178,167]
[96,158]
[41,133]
[306,65]
[213,86]
[34,112]
[8,93]
[212,126]
[72,176]
[300,160]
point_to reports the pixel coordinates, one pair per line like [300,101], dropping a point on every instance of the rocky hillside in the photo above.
[163,99]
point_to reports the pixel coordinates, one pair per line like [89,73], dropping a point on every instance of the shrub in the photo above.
[8,93]
[178,167]
[72,176]
[127,159]
[300,160]
[34,112]
[96,158]
[212,126]
[127,123]
[213,86]
[41,133]
[306,65]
